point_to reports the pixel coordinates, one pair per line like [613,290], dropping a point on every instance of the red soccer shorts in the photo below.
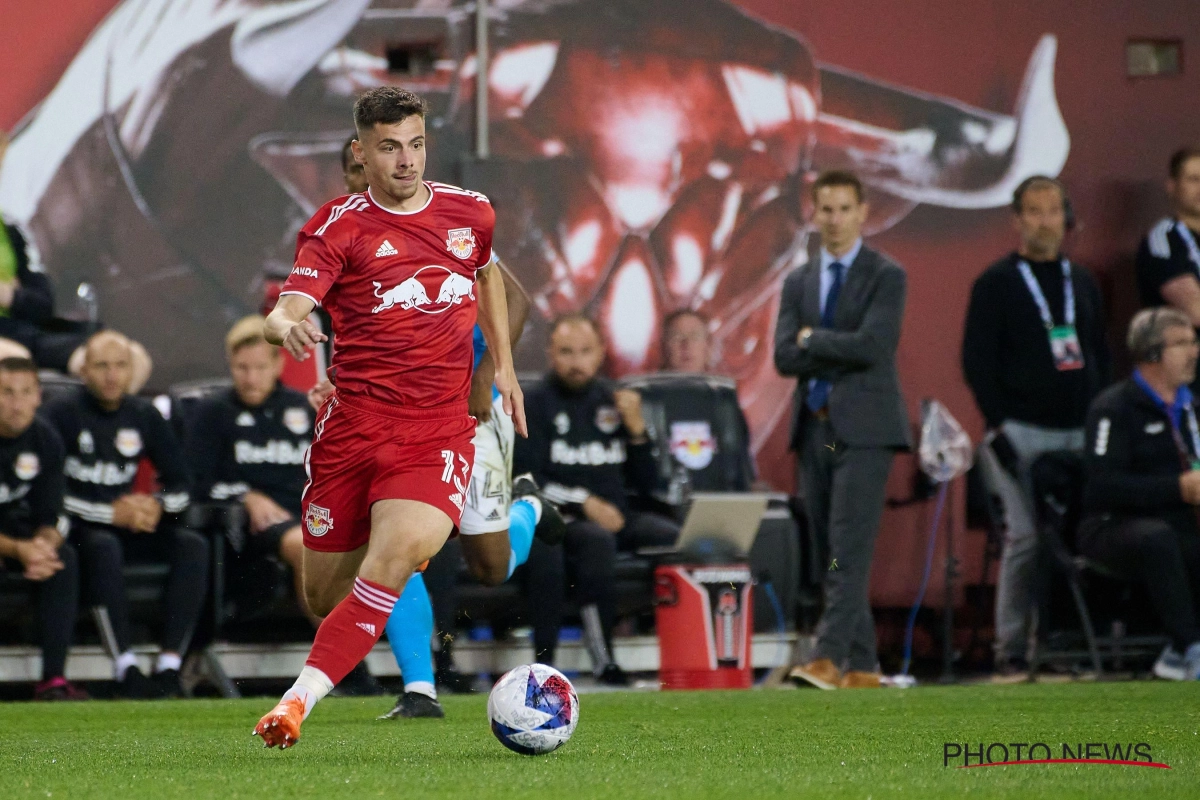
[364,451]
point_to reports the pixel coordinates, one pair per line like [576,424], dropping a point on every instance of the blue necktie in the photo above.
[818,394]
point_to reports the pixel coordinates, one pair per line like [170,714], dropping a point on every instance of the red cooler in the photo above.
[704,617]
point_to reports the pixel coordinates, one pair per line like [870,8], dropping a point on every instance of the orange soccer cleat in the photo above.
[281,725]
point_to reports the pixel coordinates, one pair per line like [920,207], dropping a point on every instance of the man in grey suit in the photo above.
[839,324]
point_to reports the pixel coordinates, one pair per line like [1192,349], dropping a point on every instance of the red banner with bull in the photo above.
[704,618]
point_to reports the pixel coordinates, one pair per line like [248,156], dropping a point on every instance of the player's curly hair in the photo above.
[387,104]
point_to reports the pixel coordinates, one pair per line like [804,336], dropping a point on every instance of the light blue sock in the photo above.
[410,632]
[522,519]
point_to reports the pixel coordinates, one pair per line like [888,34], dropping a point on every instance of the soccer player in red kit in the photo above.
[400,268]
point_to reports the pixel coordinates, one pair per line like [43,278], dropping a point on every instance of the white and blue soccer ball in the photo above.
[533,709]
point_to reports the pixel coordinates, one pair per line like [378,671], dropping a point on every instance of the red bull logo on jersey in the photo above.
[448,288]
[461,242]
[455,288]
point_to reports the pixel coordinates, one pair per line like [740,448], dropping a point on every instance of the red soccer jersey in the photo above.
[400,288]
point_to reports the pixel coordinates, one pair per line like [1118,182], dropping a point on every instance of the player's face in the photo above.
[1185,190]
[576,354]
[393,157]
[255,369]
[1179,355]
[839,216]
[1042,222]
[20,396]
[108,370]
[686,345]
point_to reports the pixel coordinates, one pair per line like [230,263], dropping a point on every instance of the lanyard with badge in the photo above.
[1190,460]
[1064,339]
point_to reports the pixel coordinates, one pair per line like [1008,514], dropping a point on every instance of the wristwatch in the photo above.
[804,337]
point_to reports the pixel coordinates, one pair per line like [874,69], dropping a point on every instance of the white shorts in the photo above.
[490,492]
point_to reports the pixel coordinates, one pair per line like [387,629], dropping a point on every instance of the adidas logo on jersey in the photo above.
[366,626]
[385,249]
[494,516]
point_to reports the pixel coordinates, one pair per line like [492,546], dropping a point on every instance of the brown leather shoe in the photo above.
[854,679]
[821,673]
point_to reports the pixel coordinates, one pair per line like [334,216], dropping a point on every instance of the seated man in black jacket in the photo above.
[27,314]
[106,433]
[32,528]
[587,446]
[1142,496]
[695,420]
[248,443]
[26,296]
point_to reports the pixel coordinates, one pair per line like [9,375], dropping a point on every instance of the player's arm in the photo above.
[46,494]
[493,321]
[1183,292]
[38,556]
[288,326]
[206,446]
[517,302]
[166,455]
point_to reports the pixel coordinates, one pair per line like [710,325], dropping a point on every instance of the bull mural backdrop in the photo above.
[646,155]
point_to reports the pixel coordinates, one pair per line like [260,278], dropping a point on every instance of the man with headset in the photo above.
[1141,499]
[1034,354]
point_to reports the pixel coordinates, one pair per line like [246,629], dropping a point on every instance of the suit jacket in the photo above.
[858,354]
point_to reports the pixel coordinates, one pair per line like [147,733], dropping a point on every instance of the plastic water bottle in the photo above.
[87,303]
[679,492]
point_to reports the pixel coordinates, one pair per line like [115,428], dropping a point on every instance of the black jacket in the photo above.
[34,301]
[1162,257]
[1132,465]
[578,446]
[233,448]
[1006,350]
[31,481]
[104,448]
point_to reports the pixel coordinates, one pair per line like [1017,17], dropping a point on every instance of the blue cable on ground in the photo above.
[769,588]
[912,617]
[780,625]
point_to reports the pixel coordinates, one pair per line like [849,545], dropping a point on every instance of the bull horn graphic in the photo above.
[951,143]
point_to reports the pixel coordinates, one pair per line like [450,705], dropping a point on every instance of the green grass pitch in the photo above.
[861,744]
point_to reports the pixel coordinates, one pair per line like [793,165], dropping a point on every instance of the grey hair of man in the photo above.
[1148,329]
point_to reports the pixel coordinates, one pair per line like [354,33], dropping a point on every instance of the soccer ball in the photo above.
[533,709]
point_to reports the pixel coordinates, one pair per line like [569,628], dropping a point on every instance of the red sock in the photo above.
[351,629]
